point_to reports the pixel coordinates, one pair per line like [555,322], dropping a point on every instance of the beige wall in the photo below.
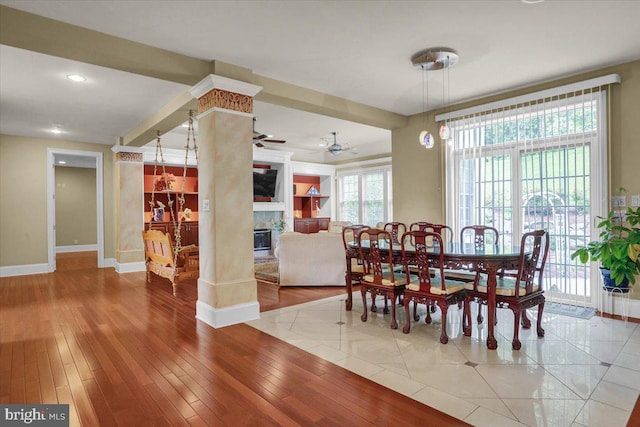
[23,194]
[76,222]
[418,174]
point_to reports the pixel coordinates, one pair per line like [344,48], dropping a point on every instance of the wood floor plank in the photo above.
[99,403]
[45,379]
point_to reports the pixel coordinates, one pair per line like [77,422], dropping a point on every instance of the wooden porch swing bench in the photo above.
[161,260]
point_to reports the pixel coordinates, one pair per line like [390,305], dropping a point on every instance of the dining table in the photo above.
[457,256]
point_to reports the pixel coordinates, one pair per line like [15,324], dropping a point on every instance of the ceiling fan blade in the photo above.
[259,144]
[277,141]
[259,137]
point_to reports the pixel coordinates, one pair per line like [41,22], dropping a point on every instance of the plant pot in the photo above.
[610,285]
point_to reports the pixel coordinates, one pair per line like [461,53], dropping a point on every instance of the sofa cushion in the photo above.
[337,226]
[316,259]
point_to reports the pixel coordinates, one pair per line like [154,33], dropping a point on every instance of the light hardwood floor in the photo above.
[124,353]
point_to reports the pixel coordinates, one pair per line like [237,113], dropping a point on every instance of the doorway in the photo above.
[85,159]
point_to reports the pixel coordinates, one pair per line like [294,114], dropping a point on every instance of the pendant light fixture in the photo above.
[425,139]
[444,129]
[437,58]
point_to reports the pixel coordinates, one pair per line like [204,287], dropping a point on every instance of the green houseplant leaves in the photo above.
[618,247]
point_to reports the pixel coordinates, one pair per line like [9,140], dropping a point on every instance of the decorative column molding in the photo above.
[217,93]
[128,154]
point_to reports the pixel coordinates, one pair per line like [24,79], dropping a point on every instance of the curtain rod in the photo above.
[547,93]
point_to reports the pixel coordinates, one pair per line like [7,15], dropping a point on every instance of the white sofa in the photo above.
[316,259]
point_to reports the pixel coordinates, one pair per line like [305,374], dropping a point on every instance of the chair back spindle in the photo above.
[397,229]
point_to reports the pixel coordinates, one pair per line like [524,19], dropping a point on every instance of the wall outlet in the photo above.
[635,201]
[75,242]
[619,201]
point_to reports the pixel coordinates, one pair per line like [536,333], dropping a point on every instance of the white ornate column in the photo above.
[129,201]
[227,289]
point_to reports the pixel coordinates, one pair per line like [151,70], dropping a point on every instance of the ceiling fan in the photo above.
[336,148]
[259,138]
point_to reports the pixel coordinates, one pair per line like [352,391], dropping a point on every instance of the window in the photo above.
[534,165]
[364,196]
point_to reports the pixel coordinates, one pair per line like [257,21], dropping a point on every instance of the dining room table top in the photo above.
[453,249]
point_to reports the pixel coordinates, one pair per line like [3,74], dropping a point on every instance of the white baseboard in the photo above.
[227,316]
[109,262]
[622,306]
[129,267]
[76,248]
[24,270]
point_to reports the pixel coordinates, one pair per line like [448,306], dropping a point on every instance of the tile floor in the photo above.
[582,373]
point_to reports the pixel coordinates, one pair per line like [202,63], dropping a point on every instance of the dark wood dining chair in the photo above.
[425,288]
[521,289]
[446,233]
[443,230]
[480,236]
[379,277]
[397,229]
[355,269]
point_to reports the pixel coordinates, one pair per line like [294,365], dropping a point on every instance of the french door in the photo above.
[534,167]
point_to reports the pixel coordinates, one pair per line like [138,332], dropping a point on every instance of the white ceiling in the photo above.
[356,50]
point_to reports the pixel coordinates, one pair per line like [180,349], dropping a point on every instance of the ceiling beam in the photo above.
[170,116]
[300,98]
[44,35]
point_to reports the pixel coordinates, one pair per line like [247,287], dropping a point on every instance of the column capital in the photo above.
[222,93]
[128,154]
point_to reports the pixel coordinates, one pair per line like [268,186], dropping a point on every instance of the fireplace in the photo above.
[261,239]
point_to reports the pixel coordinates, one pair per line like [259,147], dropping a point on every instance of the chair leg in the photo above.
[427,319]
[480,318]
[526,323]
[415,312]
[407,325]
[539,324]
[363,291]
[386,304]
[466,318]
[444,338]
[516,330]
[374,309]
[394,322]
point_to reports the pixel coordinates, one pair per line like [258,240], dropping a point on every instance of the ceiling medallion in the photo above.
[435,58]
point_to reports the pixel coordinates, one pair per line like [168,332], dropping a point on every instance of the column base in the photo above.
[130,267]
[227,303]
[221,317]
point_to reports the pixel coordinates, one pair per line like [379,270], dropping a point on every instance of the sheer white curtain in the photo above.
[534,162]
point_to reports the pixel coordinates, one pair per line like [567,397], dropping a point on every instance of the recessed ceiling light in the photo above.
[56,130]
[76,77]
[532,1]
[62,162]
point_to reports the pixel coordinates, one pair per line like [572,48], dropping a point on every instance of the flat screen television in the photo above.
[264,182]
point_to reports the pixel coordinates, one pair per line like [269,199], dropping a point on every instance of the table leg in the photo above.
[492,272]
[347,277]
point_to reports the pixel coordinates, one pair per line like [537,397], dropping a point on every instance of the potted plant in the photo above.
[618,249]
